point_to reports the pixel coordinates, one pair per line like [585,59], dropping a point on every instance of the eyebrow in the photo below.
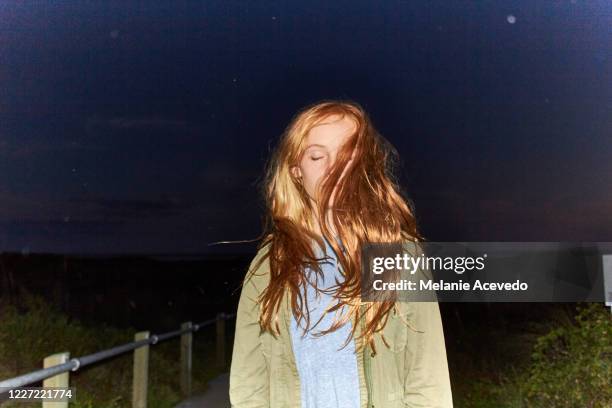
[314,145]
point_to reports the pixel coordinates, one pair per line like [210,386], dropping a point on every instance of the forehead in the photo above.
[332,132]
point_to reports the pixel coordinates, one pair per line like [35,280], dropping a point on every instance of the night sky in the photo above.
[144,128]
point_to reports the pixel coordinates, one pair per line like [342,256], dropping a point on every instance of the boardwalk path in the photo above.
[217,395]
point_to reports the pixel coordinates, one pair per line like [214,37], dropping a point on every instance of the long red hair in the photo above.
[368,207]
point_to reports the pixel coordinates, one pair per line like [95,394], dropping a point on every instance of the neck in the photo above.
[330,224]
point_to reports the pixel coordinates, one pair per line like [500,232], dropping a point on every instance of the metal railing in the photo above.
[56,367]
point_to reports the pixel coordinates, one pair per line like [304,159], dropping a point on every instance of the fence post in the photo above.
[607,278]
[141,372]
[186,353]
[61,380]
[221,340]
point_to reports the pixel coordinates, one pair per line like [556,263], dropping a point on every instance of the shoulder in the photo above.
[412,246]
[258,273]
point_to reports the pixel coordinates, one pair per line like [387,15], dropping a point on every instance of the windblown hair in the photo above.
[368,207]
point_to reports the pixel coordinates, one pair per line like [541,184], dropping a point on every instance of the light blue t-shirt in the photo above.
[328,375]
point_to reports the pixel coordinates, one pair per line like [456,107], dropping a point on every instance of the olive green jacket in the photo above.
[413,372]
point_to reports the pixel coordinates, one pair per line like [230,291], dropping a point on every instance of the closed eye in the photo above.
[316,158]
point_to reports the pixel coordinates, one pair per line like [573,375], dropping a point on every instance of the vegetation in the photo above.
[568,365]
[572,364]
[564,362]
[35,329]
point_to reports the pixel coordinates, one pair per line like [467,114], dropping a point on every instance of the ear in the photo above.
[295,171]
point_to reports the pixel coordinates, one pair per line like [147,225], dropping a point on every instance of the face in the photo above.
[323,142]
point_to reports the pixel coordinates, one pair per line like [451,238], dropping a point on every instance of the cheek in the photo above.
[312,174]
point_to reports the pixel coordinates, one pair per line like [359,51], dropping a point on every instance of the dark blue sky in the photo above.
[143,128]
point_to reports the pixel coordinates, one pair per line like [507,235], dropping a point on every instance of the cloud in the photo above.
[93,126]
[43,208]
[561,216]
[96,123]
[12,150]
[129,209]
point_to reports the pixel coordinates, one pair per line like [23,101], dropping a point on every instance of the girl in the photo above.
[329,189]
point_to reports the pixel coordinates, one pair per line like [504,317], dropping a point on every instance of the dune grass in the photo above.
[564,362]
[35,329]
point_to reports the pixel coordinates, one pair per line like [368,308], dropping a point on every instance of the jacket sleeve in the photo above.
[427,379]
[249,380]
